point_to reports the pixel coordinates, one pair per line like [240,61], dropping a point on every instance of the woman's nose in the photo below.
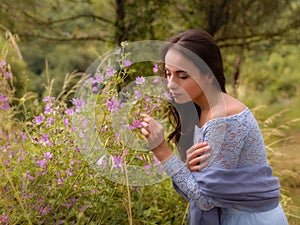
[171,83]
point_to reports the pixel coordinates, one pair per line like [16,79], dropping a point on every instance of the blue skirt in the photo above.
[275,216]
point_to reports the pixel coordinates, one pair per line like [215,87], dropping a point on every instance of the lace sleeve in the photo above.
[236,141]
[185,181]
[226,140]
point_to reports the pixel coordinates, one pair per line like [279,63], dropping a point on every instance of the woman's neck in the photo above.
[211,108]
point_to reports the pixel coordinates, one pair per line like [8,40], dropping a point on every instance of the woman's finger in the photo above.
[146,118]
[145,132]
[202,150]
[200,145]
[195,154]
[199,167]
[197,146]
[145,125]
[198,160]
[190,150]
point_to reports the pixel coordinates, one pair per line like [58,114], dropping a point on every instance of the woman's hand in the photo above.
[153,131]
[155,134]
[196,156]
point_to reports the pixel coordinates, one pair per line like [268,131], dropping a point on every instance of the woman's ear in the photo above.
[210,78]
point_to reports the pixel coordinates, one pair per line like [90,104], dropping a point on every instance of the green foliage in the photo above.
[75,30]
[59,40]
[276,80]
[46,180]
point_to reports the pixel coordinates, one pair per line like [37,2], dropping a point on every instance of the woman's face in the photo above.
[184,78]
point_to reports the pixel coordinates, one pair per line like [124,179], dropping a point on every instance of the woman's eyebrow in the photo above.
[180,71]
[176,71]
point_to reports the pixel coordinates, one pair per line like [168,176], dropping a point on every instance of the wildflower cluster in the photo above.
[6,90]
[82,164]
[12,151]
[108,118]
[6,113]
[45,165]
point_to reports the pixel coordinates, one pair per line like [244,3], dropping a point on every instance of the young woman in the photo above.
[223,170]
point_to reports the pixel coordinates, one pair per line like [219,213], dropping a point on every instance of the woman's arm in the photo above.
[185,181]
[175,168]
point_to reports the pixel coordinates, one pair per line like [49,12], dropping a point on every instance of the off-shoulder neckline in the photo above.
[215,120]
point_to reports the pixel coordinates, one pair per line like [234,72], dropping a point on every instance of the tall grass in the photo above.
[277,131]
[45,180]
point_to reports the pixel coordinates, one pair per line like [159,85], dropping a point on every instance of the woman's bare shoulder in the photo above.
[233,105]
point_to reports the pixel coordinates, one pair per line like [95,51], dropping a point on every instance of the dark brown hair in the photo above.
[185,116]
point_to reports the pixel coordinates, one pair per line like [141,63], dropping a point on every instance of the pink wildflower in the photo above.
[8,75]
[69,112]
[117,161]
[147,166]
[156,80]
[4,105]
[95,89]
[39,119]
[139,80]
[97,80]
[112,105]
[155,68]
[138,94]
[136,124]
[42,163]
[66,122]
[110,71]
[127,63]
[79,103]
[48,155]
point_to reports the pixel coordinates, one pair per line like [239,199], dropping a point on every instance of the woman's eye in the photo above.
[179,75]
[183,76]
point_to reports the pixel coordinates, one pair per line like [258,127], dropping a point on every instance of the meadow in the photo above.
[46,172]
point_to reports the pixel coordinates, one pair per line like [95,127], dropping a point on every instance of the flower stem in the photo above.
[129,212]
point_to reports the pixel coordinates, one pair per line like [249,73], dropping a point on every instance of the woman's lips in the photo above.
[175,94]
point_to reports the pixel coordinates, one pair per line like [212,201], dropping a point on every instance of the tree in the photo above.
[232,23]
[57,20]
[235,25]
[243,25]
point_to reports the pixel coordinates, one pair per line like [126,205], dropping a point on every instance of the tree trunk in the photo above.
[121,31]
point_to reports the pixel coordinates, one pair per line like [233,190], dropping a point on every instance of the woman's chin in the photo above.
[179,100]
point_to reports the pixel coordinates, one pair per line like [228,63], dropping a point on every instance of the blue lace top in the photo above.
[236,142]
